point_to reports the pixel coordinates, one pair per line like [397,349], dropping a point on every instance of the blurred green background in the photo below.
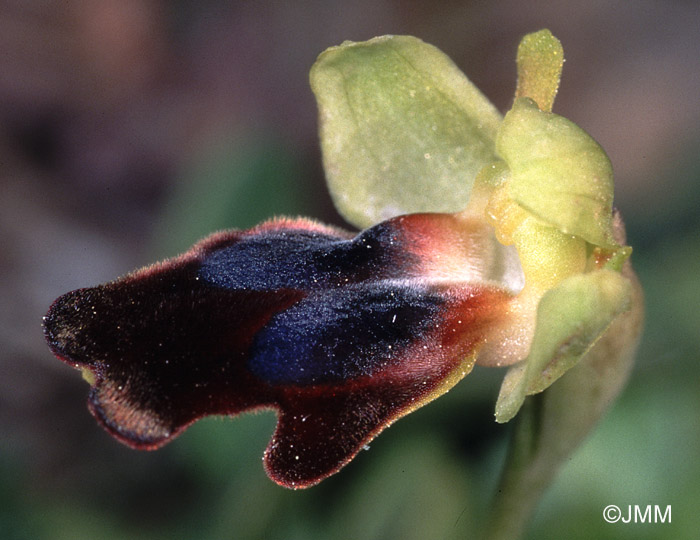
[130,129]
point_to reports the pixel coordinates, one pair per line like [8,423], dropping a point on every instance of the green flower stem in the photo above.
[522,484]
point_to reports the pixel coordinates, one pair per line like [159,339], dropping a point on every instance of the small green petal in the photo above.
[570,319]
[540,60]
[558,172]
[402,129]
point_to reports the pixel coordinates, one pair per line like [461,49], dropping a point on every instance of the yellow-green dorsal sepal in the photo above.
[558,173]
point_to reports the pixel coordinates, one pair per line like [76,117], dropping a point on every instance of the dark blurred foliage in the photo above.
[130,129]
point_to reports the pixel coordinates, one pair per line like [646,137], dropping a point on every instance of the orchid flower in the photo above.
[483,240]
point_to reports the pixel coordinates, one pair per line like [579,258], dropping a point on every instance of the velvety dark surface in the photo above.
[340,335]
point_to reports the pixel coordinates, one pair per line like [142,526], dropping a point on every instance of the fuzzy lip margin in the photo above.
[162,347]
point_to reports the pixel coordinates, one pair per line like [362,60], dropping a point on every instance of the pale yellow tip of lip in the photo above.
[88,376]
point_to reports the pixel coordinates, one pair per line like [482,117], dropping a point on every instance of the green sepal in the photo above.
[402,129]
[570,319]
[558,172]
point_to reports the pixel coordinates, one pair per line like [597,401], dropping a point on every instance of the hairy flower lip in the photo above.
[340,335]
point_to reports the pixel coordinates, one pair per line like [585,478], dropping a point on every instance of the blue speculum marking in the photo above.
[338,335]
[298,259]
[279,261]
[332,334]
